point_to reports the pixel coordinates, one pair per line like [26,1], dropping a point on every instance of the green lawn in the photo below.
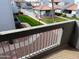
[29,20]
[72,18]
[32,22]
[52,20]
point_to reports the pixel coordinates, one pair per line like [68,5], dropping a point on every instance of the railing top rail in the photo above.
[37,27]
[13,34]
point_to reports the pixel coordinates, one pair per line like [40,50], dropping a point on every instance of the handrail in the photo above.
[31,28]
[13,34]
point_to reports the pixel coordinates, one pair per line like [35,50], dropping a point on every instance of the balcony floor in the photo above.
[68,53]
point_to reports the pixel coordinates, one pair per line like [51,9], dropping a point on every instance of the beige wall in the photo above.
[6,16]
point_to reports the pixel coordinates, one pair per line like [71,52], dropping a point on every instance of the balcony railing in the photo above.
[29,42]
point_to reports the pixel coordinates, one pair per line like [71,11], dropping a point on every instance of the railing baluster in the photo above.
[45,39]
[52,37]
[56,35]
[29,49]
[4,52]
[40,41]
[48,39]
[55,41]
[15,51]
[25,47]
[35,40]
[32,43]
[19,48]
[10,51]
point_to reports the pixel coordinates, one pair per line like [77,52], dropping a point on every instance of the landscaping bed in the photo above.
[29,20]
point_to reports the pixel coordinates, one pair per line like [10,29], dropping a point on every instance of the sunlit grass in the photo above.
[29,20]
[52,20]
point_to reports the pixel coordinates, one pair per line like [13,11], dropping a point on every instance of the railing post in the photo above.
[67,33]
[75,36]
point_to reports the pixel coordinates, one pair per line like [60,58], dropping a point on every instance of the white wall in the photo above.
[6,16]
[68,1]
[15,9]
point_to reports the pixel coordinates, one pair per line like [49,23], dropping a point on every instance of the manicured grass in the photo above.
[29,20]
[32,22]
[52,20]
[59,19]
[72,18]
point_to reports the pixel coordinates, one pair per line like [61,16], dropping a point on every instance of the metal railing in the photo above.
[28,42]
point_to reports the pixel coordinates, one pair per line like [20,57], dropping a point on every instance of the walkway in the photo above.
[68,53]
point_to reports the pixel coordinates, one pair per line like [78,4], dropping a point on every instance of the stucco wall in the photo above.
[68,1]
[6,16]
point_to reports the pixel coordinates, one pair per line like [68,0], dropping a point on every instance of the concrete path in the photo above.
[69,53]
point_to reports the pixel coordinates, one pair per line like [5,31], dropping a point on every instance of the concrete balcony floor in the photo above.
[66,53]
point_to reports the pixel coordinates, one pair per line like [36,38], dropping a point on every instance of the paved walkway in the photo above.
[69,53]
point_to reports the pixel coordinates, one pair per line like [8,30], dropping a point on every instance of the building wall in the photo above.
[6,16]
[68,1]
[44,2]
